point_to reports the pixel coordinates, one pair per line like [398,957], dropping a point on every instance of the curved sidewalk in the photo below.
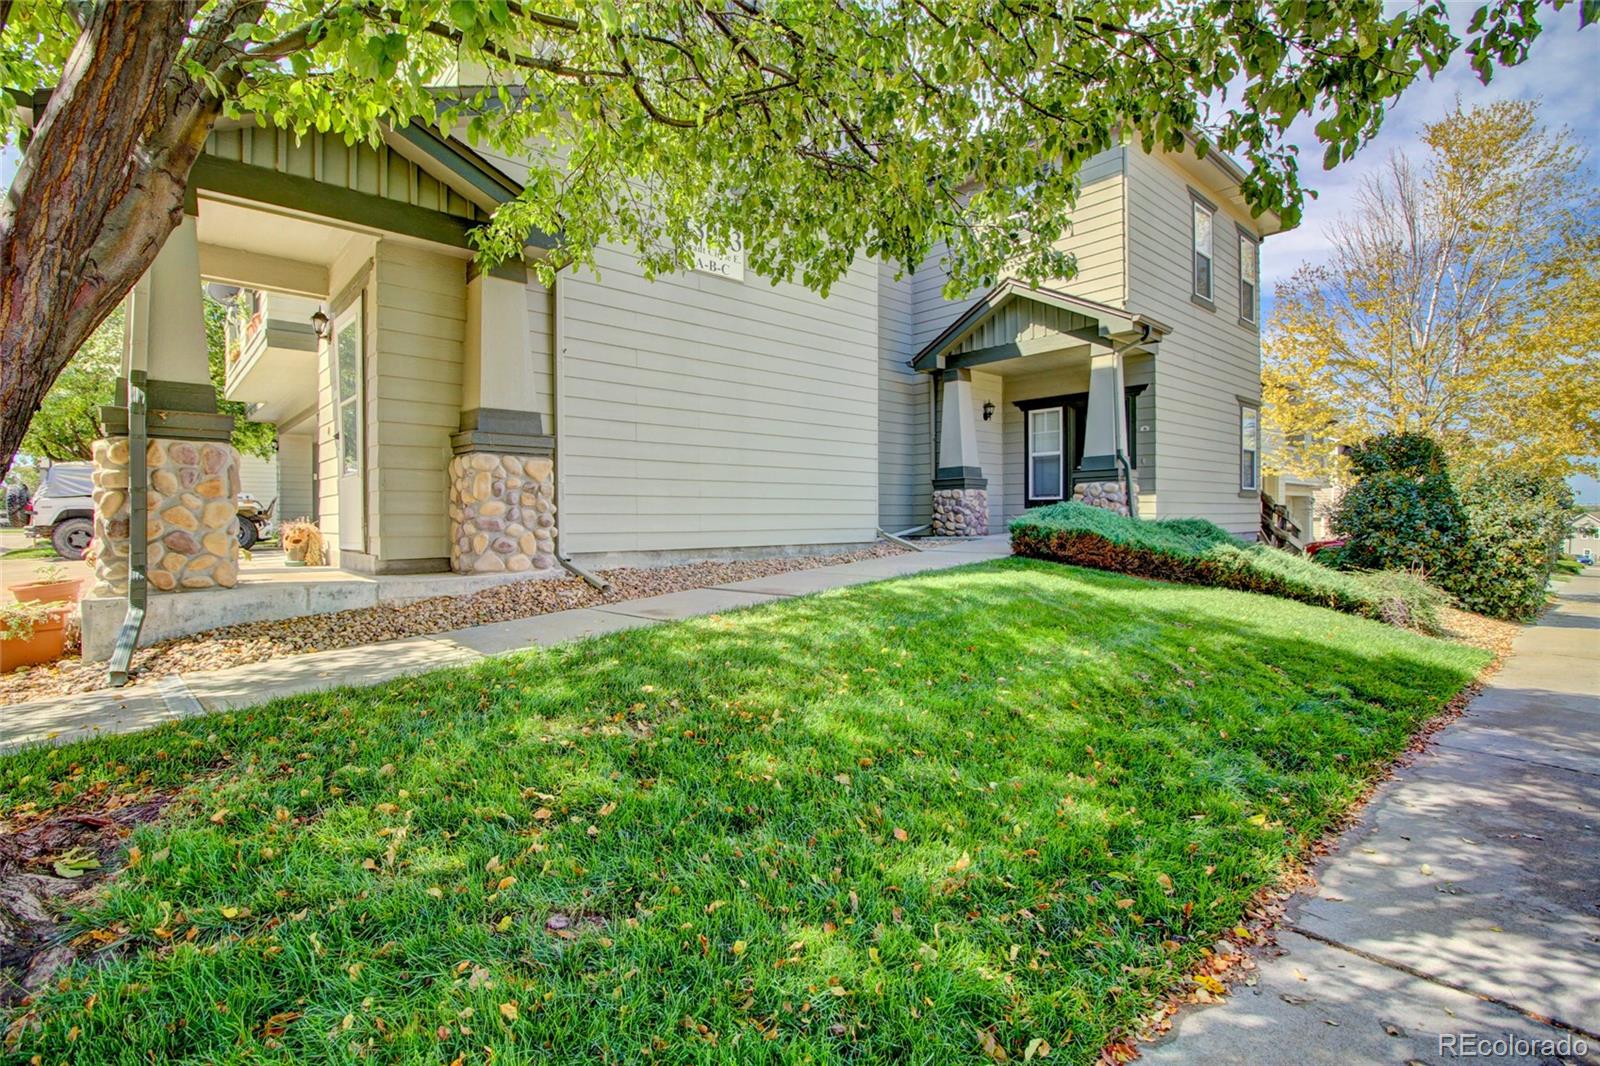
[1462,914]
[148,704]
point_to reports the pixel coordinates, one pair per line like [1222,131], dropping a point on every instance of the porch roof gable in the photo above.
[1013,320]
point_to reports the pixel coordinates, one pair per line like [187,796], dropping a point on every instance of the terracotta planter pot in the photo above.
[49,640]
[65,591]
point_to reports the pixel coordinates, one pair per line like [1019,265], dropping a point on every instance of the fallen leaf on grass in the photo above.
[75,863]
[508,1011]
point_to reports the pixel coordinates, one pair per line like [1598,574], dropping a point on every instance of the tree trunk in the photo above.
[100,188]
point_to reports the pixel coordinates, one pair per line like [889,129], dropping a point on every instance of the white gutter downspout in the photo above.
[558,341]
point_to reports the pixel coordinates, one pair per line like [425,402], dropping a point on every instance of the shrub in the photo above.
[1197,552]
[1514,527]
[1402,512]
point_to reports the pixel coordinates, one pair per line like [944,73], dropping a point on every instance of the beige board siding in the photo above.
[325,157]
[258,477]
[1207,362]
[296,458]
[905,457]
[705,413]
[418,323]
[541,334]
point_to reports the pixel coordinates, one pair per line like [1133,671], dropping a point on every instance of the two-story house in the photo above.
[446,417]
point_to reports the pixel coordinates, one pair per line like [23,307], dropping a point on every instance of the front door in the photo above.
[350,426]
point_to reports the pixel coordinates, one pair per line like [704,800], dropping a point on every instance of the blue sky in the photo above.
[1562,71]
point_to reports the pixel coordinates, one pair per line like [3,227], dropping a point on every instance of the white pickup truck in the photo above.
[63,508]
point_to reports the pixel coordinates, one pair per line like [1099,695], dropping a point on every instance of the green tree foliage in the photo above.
[1488,536]
[1516,522]
[67,423]
[1402,511]
[810,133]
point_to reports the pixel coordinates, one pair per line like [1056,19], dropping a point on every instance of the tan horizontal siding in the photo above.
[704,413]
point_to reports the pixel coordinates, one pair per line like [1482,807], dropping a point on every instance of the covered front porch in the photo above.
[1039,397]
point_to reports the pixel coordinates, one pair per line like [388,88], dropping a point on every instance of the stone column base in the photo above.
[960,512]
[502,513]
[1111,495]
[192,527]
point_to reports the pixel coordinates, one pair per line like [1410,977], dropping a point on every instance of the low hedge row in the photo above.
[1197,552]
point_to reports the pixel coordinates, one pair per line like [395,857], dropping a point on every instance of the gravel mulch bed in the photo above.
[259,641]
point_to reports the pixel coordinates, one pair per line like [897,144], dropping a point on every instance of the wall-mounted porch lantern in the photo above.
[319,324]
[988,410]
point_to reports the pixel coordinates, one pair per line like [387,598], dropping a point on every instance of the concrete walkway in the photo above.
[143,705]
[1467,900]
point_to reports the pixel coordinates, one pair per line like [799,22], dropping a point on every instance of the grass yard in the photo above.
[913,822]
[42,550]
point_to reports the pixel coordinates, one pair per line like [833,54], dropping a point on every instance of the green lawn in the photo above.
[870,826]
[41,550]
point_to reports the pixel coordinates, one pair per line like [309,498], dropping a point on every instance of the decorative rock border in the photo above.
[192,524]
[1110,495]
[502,513]
[960,512]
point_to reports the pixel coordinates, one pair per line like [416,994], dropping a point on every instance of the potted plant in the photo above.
[51,584]
[31,633]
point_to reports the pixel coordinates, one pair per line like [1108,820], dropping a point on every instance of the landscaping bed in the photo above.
[947,818]
[1195,551]
[218,649]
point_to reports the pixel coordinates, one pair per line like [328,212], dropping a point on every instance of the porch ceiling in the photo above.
[1017,329]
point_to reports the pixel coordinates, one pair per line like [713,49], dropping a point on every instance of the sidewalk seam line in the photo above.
[1421,975]
[1445,743]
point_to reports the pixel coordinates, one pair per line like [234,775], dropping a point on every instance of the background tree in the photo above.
[811,131]
[67,423]
[1461,300]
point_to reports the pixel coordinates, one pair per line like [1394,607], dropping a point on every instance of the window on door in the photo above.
[1047,460]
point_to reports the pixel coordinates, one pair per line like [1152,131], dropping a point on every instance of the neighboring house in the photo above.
[437,416]
[1585,535]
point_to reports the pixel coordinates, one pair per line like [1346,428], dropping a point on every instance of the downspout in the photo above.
[138,548]
[559,388]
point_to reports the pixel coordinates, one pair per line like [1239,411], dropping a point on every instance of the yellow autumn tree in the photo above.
[1460,298]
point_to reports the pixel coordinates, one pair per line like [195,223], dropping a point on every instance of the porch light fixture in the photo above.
[319,324]
[988,410]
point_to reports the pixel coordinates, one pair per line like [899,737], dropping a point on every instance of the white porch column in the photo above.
[193,469]
[1102,478]
[502,484]
[960,491]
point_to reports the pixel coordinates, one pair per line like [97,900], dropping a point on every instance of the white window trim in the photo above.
[1255,472]
[1251,313]
[1060,453]
[1197,204]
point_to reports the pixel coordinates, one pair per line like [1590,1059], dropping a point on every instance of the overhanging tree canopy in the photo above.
[811,131]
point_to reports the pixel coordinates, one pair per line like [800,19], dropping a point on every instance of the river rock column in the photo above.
[192,528]
[502,513]
[1109,495]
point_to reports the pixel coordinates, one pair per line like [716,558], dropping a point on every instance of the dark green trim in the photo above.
[476,440]
[960,477]
[510,270]
[171,425]
[503,421]
[170,395]
[267,186]
[461,161]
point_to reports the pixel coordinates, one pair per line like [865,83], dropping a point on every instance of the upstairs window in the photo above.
[1249,447]
[1249,276]
[1204,216]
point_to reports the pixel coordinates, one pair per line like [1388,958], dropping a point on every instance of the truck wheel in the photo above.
[248,534]
[71,537]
